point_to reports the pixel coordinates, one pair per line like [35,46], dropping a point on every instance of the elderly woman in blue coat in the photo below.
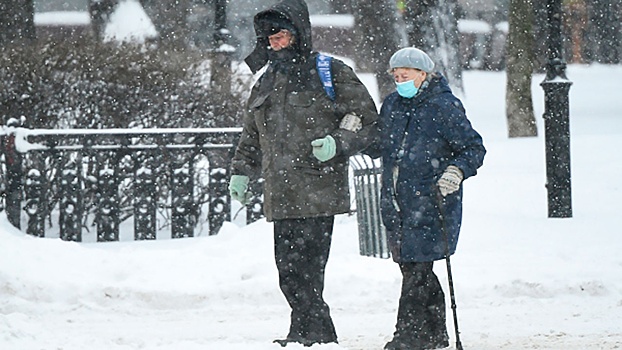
[428,147]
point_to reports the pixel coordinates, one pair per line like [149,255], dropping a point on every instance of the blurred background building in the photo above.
[592,29]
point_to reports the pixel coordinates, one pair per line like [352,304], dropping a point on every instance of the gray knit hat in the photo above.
[410,57]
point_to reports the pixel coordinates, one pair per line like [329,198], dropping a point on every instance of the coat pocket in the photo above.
[301,98]
[311,113]
[313,169]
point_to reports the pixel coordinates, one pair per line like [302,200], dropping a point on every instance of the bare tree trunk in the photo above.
[540,33]
[605,30]
[16,21]
[378,38]
[519,49]
[575,25]
[433,27]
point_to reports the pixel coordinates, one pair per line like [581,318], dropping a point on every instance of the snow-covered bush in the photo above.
[98,86]
[95,85]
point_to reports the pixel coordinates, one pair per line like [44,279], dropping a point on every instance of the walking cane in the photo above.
[441,212]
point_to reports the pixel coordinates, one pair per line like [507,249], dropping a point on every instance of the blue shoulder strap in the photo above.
[323,63]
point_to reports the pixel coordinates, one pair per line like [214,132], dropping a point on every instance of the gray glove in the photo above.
[450,180]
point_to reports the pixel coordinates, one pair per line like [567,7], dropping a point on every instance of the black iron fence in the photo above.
[82,180]
[79,180]
[367,182]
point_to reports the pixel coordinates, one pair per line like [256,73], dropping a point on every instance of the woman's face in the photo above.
[405,74]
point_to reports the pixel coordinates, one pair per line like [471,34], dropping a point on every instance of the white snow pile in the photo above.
[129,23]
[522,280]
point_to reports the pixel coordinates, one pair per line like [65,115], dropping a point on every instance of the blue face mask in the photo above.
[407,89]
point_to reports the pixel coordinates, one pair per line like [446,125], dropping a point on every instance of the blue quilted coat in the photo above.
[420,137]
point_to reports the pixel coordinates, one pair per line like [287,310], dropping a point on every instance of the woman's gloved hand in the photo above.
[450,180]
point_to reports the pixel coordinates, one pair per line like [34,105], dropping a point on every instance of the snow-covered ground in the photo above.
[523,280]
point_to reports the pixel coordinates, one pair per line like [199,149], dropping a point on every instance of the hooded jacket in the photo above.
[288,109]
[297,13]
[420,137]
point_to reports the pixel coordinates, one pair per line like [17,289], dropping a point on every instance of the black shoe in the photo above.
[437,342]
[403,344]
[286,341]
[305,342]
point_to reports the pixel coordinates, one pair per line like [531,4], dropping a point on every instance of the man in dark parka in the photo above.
[299,141]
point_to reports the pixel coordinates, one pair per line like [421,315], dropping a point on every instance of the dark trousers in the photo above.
[421,312]
[301,248]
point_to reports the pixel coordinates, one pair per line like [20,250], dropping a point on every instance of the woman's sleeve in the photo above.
[466,143]
[377,148]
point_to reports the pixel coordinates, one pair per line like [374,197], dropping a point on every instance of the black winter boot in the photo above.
[302,341]
[287,341]
[434,333]
[438,342]
[403,343]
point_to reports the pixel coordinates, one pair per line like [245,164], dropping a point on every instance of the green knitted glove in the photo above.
[325,148]
[238,188]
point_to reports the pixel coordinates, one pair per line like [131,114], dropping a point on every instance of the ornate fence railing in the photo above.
[367,175]
[82,179]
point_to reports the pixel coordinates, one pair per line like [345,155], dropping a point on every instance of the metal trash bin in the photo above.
[367,182]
